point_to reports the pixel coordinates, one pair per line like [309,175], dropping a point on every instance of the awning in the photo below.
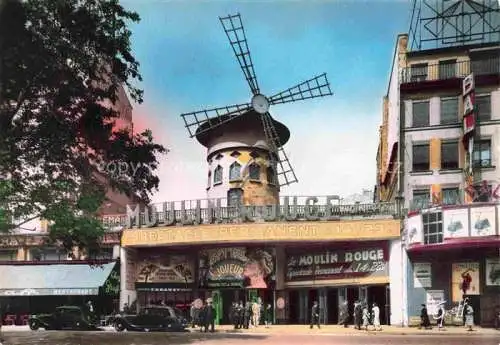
[53,280]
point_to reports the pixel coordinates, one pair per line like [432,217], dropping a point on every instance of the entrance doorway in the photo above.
[377,294]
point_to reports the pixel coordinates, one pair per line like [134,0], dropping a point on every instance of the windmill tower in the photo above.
[246,160]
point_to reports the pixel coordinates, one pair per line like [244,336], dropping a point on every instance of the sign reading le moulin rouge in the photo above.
[310,209]
[337,264]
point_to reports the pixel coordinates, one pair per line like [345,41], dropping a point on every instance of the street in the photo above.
[132,338]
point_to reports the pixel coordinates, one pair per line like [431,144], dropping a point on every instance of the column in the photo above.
[128,294]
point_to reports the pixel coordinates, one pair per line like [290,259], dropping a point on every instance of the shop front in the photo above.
[333,274]
[454,253]
[39,288]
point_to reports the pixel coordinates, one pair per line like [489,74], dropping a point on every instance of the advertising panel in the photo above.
[464,280]
[456,223]
[434,299]
[251,268]
[492,272]
[337,264]
[422,275]
[483,221]
[167,268]
[414,229]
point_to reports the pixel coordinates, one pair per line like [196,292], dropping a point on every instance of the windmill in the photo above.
[201,123]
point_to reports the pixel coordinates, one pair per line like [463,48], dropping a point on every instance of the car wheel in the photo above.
[119,326]
[34,325]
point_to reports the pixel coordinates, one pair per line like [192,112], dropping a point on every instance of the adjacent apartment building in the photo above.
[439,156]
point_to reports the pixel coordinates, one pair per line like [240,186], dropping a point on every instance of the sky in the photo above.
[187,64]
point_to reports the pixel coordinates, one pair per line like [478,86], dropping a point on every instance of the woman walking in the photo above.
[469,314]
[376,317]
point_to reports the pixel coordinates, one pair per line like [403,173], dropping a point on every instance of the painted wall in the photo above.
[397,266]
[254,192]
[439,133]
[244,138]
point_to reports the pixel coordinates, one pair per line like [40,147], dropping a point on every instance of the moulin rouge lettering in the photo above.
[331,258]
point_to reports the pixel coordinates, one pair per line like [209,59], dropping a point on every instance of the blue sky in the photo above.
[187,64]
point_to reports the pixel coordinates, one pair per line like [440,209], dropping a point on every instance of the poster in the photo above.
[166,268]
[456,223]
[251,268]
[464,280]
[414,229]
[434,298]
[492,272]
[336,264]
[483,221]
[422,275]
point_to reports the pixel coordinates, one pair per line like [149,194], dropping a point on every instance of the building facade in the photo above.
[438,156]
[37,275]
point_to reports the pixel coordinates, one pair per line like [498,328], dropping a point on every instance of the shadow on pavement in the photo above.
[125,338]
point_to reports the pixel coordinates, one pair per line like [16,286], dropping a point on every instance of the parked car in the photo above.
[64,317]
[152,319]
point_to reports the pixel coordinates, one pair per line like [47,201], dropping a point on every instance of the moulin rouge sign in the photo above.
[310,210]
[336,264]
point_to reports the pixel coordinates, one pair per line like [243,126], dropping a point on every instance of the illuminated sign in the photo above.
[310,210]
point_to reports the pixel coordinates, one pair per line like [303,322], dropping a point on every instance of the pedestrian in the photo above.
[241,315]
[366,316]
[255,314]
[357,314]
[268,316]
[209,317]
[247,315]
[376,317]
[192,309]
[90,306]
[424,318]
[469,314]
[315,315]
[202,317]
[441,314]
[344,314]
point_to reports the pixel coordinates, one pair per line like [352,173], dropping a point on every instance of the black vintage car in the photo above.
[64,317]
[152,319]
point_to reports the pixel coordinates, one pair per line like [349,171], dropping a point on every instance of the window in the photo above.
[234,197]
[451,196]
[235,171]
[482,193]
[420,157]
[483,107]
[485,64]
[419,72]
[481,155]
[420,114]
[421,198]
[218,175]
[254,171]
[447,69]
[271,176]
[449,110]
[433,227]
[449,155]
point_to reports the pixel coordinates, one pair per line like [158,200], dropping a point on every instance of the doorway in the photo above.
[293,306]
[352,294]
[333,306]
[377,294]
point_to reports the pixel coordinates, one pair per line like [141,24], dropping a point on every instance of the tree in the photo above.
[61,65]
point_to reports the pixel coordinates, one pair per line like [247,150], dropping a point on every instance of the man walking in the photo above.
[357,315]
[315,315]
[209,317]
[344,314]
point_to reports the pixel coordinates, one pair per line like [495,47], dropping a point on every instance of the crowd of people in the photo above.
[467,313]
[363,315]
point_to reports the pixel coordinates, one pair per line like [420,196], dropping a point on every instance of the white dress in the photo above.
[376,316]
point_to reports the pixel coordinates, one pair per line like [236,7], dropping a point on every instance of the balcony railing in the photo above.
[232,214]
[449,70]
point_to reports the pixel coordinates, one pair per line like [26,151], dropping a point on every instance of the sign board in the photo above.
[434,298]
[422,275]
[264,232]
[492,272]
[464,280]
[337,264]
[51,292]
[251,268]
[167,268]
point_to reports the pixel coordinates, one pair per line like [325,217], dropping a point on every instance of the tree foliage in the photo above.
[62,63]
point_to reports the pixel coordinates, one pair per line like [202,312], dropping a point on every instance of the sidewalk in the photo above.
[335,329]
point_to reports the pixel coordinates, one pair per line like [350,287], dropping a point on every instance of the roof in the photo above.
[59,279]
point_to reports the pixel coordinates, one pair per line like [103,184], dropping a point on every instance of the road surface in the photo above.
[132,338]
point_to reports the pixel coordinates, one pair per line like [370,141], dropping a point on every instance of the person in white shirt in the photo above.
[376,317]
